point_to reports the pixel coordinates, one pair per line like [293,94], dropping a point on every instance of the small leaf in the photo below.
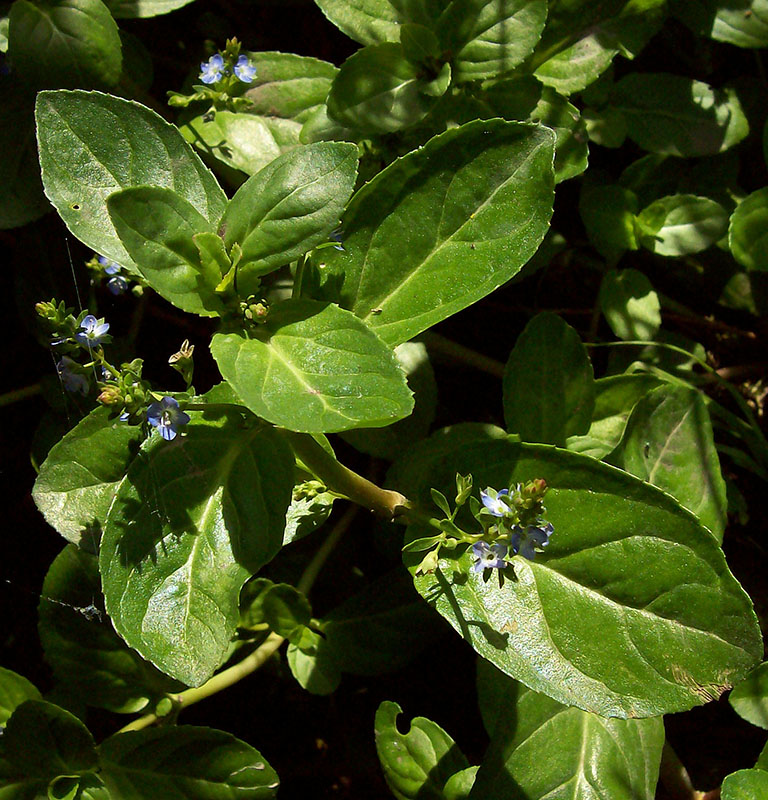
[315,368]
[287,612]
[746,784]
[308,510]
[608,213]
[419,763]
[549,389]
[750,697]
[630,305]
[185,762]
[14,690]
[681,224]
[316,671]
[438,498]
[747,236]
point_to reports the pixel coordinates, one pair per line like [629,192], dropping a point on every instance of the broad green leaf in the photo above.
[549,391]
[608,213]
[679,116]
[287,612]
[92,145]
[532,730]
[740,22]
[288,86]
[630,305]
[419,763]
[43,741]
[78,480]
[14,690]
[582,38]
[615,397]
[747,235]
[750,697]
[191,521]
[373,21]
[746,784]
[64,43]
[632,611]
[668,442]
[185,762]
[156,227]
[482,194]
[242,141]
[82,648]
[315,368]
[132,9]
[290,205]
[391,441]
[490,39]
[378,90]
[681,224]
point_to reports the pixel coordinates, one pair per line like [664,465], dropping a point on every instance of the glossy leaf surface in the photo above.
[315,368]
[746,784]
[78,480]
[191,521]
[185,762]
[549,391]
[131,9]
[92,145]
[372,21]
[482,194]
[582,623]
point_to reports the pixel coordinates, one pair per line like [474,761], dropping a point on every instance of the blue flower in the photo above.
[117,284]
[245,70]
[167,417]
[213,69]
[489,556]
[525,541]
[92,331]
[337,237]
[73,381]
[493,502]
[110,267]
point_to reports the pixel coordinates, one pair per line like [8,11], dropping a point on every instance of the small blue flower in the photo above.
[213,69]
[110,267]
[489,556]
[92,331]
[525,541]
[117,284]
[73,381]
[167,417]
[245,70]
[337,236]
[493,502]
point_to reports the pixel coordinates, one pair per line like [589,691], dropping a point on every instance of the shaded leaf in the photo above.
[630,305]
[681,224]
[750,697]
[747,235]
[14,690]
[132,9]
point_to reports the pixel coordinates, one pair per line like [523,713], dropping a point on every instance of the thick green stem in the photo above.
[344,481]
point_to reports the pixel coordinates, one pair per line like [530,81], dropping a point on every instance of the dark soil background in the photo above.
[323,746]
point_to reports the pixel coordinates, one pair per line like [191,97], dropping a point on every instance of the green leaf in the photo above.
[185,762]
[156,227]
[78,480]
[133,9]
[750,697]
[290,205]
[532,730]
[460,784]
[608,213]
[316,671]
[490,39]
[14,690]
[482,194]
[190,522]
[85,653]
[631,612]
[242,141]
[747,232]
[740,22]
[287,612]
[582,38]
[288,86]
[679,116]
[373,21]
[92,145]
[43,741]
[681,224]
[64,43]
[615,397]
[746,784]
[549,391]
[391,441]
[419,763]
[310,507]
[630,305]
[315,368]
[378,90]
[668,442]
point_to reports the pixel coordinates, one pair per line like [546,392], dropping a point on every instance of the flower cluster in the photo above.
[216,68]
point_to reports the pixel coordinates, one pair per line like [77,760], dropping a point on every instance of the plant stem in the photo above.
[465,354]
[16,395]
[236,673]
[344,481]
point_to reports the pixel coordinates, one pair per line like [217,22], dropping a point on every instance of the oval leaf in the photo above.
[630,305]
[315,368]
[681,224]
[133,9]
[631,612]
[14,690]
[750,697]
[747,235]
[746,784]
